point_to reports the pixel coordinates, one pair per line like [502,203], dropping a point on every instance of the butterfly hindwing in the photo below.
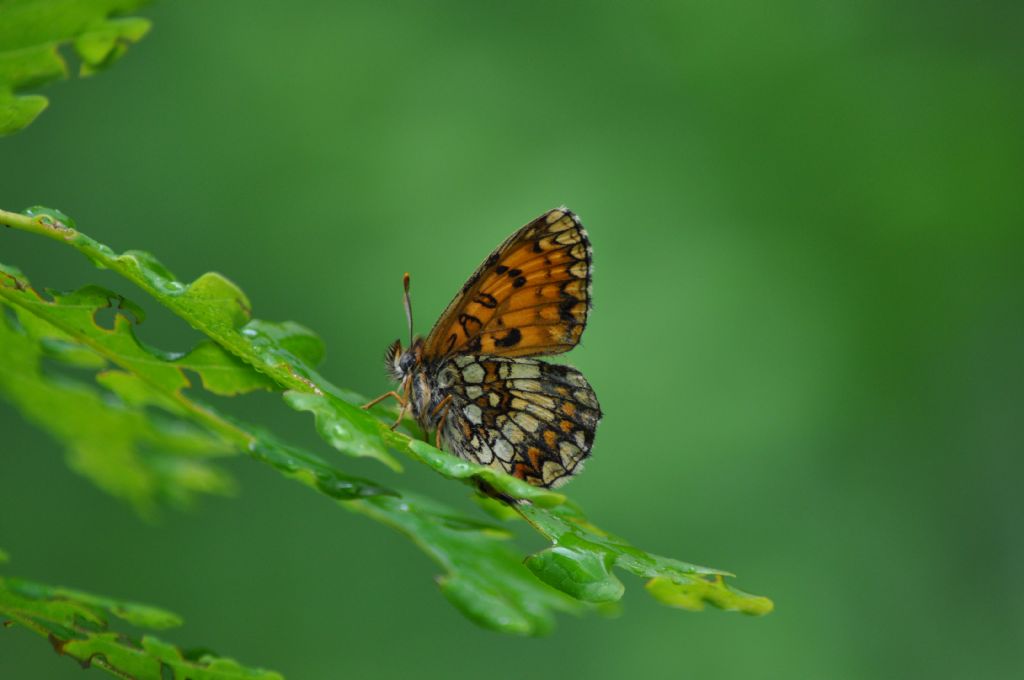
[528,418]
[530,297]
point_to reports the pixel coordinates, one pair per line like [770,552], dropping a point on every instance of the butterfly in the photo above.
[473,380]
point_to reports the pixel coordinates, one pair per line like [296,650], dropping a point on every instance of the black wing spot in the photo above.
[487,300]
[474,346]
[451,342]
[467,320]
[513,273]
[501,269]
[511,338]
[558,369]
[519,282]
[565,309]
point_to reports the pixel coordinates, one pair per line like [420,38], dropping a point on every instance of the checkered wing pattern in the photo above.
[531,419]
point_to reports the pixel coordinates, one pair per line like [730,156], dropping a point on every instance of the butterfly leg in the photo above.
[382,397]
[445,403]
[401,414]
[403,401]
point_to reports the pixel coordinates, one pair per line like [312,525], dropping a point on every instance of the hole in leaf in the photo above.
[129,313]
[66,54]
[166,330]
[106,317]
[87,625]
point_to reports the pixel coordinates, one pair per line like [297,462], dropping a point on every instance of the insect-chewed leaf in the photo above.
[79,625]
[35,38]
[581,558]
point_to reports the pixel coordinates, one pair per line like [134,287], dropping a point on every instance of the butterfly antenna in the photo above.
[408,305]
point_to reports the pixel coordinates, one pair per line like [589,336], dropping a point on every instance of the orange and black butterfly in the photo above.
[472,381]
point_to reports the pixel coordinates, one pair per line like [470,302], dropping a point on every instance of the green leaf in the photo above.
[342,426]
[221,373]
[583,573]
[454,467]
[485,578]
[692,594]
[139,615]
[115,443]
[581,557]
[31,33]
[307,468]
[77,625]
[110,439]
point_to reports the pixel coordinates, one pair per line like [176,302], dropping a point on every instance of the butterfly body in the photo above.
[473,380]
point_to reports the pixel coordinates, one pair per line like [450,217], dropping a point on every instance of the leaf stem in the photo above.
[43,225]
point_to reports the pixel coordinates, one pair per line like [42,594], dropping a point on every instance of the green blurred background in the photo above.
[807,336]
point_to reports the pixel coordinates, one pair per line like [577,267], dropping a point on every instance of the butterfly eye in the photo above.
[406,362]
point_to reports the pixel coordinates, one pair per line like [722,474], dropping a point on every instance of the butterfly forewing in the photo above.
[530,297]
[531,419]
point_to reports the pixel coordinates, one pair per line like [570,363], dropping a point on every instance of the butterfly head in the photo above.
[400,362]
